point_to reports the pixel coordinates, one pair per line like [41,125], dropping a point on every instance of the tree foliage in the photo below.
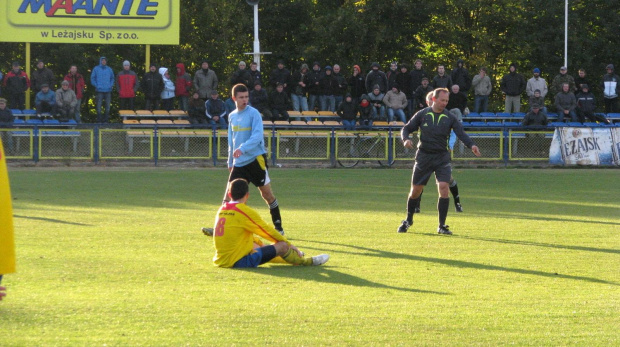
[490,33]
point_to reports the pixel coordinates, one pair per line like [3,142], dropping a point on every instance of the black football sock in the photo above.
[454,189]
[442,208]
[411,206]
[274,209]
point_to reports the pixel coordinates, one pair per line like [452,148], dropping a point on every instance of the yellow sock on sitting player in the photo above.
[292,257]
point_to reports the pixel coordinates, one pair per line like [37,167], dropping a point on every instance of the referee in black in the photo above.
[433,155]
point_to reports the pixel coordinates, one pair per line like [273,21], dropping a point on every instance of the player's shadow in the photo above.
[329,275]
[547,219]
[450,262]
[538,244]
[51,220]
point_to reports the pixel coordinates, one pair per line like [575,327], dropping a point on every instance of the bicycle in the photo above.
[363,148]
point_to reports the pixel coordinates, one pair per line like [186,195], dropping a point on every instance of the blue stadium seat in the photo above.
[473,115]
[466,124]
[557,124]
[511,124]
[575,124]
[478,124]
[34,122]
[613,116]
[552,115]
[69,122]
[16,111]
[487,114]
[503,115]
[494,124]
[29,112]
[518,115]
[19,121]
[51,122]
[592,124]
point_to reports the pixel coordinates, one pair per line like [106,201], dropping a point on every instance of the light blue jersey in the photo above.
[452,140]
[245,132]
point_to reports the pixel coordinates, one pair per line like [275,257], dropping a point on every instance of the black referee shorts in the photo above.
[427,163]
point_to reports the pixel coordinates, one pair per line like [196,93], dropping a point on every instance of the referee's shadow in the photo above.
[371,252]
[327,274]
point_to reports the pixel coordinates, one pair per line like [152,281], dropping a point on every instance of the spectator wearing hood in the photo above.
[329,87]
[280,103]
[365,111]
[357,84]
[376,101]
[586,106]
[313,86]
[566,103]
[102,79]
[77,84]
[242,75]
[42,75]
[460,76]
[512,85]
[561,78]
[442,79]
[611,90]
[152,86]
[395,101]
[347,111]
[482,90]
[167,95]
[16,83]
[299,89]
[127,84]
[280,75]
[182,86]
[403,79]
[536,82]
[259,99]
[205,80]
[376,77]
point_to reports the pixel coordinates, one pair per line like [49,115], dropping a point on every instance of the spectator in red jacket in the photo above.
[77,84]
[183,85]
[127,85]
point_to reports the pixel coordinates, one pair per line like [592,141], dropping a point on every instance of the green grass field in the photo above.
[114,257]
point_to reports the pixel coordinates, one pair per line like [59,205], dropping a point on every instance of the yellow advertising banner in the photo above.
[90,21]
[7,245]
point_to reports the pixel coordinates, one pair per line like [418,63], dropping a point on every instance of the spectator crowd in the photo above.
[357,97]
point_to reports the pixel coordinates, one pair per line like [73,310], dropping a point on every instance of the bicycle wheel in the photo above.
[348,153]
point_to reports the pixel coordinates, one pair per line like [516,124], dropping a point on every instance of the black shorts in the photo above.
[427,163]
[255,172]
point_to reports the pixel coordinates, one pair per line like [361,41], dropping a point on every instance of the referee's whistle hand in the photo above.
[408,144]
[476,151]
[237,153]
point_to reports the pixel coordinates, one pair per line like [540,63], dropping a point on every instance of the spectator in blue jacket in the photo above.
[216,110]
[102,78]
[45,101]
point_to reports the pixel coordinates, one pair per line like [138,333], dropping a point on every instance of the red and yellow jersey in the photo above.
[234,230]
[7,247]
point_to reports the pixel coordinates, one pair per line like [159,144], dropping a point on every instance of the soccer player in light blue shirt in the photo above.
[247,156]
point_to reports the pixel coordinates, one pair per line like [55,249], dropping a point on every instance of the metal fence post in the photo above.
[390,144]
[506,147]
[273,145]
[96,144]
[35,144]
[332,147]
[214,145]
[155,145]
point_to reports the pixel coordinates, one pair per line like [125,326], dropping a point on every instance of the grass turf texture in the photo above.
[115,257]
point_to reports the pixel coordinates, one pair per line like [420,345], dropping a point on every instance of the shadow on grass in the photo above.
[328,275]
[540,244]
[51,220]
[547,219]
[456,263]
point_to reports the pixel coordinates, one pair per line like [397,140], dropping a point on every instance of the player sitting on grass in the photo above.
[236,228]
